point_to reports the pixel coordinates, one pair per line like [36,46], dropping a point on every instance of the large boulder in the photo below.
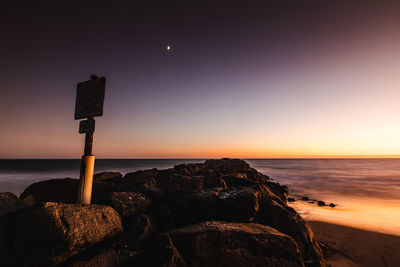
[63,190]
[98,258]
[108,177]
[127,203]
[54,190]
[215,243]
[50,233]
[143,181]
[237,204]
[178,181]
[10,202]
[288,221]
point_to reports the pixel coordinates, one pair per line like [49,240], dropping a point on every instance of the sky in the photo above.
[309,79]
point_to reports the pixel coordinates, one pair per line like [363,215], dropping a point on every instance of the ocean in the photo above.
[366,191]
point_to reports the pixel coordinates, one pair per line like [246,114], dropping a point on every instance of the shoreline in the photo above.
[349,246]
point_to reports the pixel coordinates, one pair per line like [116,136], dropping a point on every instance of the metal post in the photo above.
[87,169]
[88,104]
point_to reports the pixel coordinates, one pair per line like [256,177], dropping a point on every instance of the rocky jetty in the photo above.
[216,213]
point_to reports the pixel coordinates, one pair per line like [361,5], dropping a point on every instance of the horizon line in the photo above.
[205,158]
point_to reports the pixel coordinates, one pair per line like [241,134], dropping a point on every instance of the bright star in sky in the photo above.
[168,48]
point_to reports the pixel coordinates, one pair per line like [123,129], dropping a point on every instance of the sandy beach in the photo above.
[356,247]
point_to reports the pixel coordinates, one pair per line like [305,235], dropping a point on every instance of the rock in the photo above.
[305,199]
[109,177]
[237,204]
[140,177]
[189,169]
[100,258]
[143,182]
[332,205]
[50,233]
[55,190]
[140,230]
[286,220]
[279,190]
[215,243]
[61,190]
[234,181]
[321,203]
[164,218]
[127,203]
[10,202]
[211,181]
[290,199]
[177,181]
[227,166]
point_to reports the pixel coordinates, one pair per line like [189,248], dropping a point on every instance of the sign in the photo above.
[87,126]
[90,98]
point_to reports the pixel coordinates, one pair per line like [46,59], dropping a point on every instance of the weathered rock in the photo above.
[288,221]
[164,218]
[332,205]
[61,190]
[177,181]
[141,229]
[227,166]
[279,190]
[127,203]
[140,177]
[237,204]
[109,177]
[211,181]
[216,243]
[143,182]
[290,199]
[50,233]
[189,169]
[55,190]
[305,198]
[234,181]
[321,203]
[100,258]
[10,202]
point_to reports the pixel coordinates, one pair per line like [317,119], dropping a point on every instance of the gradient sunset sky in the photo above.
[309,79]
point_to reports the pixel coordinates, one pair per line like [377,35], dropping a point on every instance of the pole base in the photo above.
[86,180]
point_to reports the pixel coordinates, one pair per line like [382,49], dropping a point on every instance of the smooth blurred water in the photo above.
[367,191]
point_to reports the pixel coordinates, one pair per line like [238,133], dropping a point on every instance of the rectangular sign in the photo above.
[87,126]
[90,98]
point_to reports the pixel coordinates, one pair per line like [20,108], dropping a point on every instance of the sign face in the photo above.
[86,126]
[90,98]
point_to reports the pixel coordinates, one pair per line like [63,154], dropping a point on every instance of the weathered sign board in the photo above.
[90,98]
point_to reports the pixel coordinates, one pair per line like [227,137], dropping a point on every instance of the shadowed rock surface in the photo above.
[48,234]
[10,202]
[216,243]
[216,213]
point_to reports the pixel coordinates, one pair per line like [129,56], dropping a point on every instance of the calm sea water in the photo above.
[367,191]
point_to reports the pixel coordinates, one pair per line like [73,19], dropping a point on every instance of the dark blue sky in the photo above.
[238,80]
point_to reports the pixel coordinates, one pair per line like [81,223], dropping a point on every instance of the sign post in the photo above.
[89,104]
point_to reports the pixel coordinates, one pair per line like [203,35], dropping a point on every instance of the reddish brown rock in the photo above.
[216,243]
[100,258]
[49,234]
[127,203]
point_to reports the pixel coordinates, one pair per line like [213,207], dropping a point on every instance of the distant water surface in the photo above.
[367,191]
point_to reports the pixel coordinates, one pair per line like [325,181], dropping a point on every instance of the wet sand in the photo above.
[356,247]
